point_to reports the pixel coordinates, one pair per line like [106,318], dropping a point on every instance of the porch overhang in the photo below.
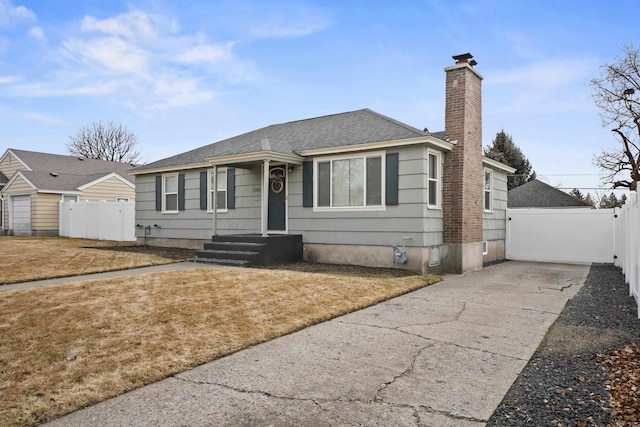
[255,157]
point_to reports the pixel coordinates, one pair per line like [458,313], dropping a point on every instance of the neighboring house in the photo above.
[33,185]
[352,185]
[537,194]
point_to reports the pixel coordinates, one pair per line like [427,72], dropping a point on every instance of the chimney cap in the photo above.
[465,57]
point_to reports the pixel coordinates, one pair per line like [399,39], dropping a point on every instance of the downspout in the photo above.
[2,214]
[214,199]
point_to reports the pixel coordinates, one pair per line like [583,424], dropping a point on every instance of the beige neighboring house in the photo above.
[33,185]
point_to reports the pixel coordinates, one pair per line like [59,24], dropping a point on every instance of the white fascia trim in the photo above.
[104,178]
[14,177]
[432,141]
[14,155]
[257,156]
[171,168]
[497,165]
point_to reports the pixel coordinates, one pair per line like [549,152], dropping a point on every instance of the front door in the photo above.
[277,218]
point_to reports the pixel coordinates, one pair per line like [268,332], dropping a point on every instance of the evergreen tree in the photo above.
[505,151]
[577,194]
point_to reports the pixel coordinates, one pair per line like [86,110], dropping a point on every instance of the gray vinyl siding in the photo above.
[493,223]
[411,218]
[193,222]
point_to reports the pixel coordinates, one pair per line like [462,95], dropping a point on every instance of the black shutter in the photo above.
[203,190]
[392,179]
[231,188]
[181,192]
[307,184]
[158,192]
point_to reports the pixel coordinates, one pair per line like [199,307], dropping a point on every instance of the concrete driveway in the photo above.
[444,355]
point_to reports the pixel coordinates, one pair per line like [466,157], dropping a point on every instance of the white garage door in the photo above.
[21,215]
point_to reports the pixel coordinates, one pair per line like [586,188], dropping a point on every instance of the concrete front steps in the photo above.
[248,250]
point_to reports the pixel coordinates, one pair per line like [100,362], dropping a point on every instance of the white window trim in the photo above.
[438,155]
[383,177]
[209,198]
[485,247]
[124,199]
[484,191]
[164,193]
[69,195]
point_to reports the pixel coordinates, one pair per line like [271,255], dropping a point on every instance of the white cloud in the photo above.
[133,25]
[108,54]
[37,33]
[148,61]
[11,15]
[296,23]
[210,54]
[8,79]
[545,87]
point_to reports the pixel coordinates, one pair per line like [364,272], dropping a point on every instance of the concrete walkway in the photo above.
[444,355]
[106,275]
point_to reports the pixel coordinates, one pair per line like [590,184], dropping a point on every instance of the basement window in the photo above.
[485,248]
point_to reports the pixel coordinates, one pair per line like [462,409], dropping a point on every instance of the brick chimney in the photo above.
[463,170]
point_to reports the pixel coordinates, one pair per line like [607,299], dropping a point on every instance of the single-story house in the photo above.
[33,185]
[352,185]
[538,194]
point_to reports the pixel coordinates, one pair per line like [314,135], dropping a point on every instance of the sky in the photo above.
[182,74]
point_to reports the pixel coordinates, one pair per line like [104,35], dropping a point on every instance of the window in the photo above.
[485,248]
[350,182]
[122,199]
[170,193]
[67,198]
[488,175]
[434,180]
[221,193]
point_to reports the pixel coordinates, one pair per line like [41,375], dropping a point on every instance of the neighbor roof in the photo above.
[537,194]
[66,173]
[337,130]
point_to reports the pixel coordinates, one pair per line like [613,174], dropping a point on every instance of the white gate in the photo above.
[98,220]
[561,235]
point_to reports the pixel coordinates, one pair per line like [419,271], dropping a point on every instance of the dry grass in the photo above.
[34,258]
[131,331]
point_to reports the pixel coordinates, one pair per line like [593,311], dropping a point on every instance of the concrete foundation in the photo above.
[459,258]
[369,256]
[496,251]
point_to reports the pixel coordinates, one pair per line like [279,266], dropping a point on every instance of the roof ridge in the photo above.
[394,121]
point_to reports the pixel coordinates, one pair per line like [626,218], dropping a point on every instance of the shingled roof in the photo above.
[537,194]
[337,130]
[57,172]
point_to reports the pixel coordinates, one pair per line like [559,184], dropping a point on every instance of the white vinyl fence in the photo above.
[627,246]
[561,235]
[98,220]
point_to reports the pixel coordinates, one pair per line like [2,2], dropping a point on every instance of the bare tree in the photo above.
[617,95]
[106,142]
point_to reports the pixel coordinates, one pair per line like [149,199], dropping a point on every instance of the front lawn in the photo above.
[68,346]
[36,258]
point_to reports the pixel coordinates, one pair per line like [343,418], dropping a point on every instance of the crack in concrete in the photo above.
[321,403]
[245,391]
[404,373]
[450,415]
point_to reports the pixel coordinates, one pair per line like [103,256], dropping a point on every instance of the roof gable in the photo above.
[60,173]
[537,194]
